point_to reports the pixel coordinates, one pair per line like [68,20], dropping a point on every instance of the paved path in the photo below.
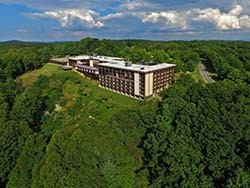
[204,73]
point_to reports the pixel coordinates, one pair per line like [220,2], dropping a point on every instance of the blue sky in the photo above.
[59,20]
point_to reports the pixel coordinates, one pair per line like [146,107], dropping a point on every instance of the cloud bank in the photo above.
[70,17]
[183,19]
[158,19]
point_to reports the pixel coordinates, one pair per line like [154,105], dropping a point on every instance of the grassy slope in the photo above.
[81,98]
[30,78]
[84,107]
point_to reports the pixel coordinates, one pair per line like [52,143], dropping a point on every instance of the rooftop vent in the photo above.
[151,63]
[142,68]
[128,63]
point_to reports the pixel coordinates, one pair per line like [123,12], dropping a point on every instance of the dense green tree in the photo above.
[87,45]
[72,155]
[207,122]
[12,138]
[32,153]
[160,56]
[241,179]
[29,107]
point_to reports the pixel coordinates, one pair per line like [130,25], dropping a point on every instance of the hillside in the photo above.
[77,92]
[59,129]
[80,120]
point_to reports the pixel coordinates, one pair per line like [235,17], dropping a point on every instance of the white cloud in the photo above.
[185,19]
[69,17]
[237,10]
[113,16]
[169,18]
[245,22]
[132,5]
[224,21]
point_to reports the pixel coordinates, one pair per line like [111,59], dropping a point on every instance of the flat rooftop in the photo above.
[107,58]
[137,67]
[80,57]
[99,58]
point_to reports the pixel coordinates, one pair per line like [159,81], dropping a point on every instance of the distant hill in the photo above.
[31,42]
[12,41]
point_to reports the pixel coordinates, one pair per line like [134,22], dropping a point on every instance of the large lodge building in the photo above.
[116,74]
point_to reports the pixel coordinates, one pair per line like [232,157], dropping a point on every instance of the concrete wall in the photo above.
[137,84]
[91,63]
[149,79]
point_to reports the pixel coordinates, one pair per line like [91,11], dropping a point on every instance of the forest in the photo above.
[58,129]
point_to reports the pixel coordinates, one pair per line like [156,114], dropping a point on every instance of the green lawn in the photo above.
[30,78]
[81,97]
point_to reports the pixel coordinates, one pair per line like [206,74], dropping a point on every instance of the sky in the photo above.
[64,20]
